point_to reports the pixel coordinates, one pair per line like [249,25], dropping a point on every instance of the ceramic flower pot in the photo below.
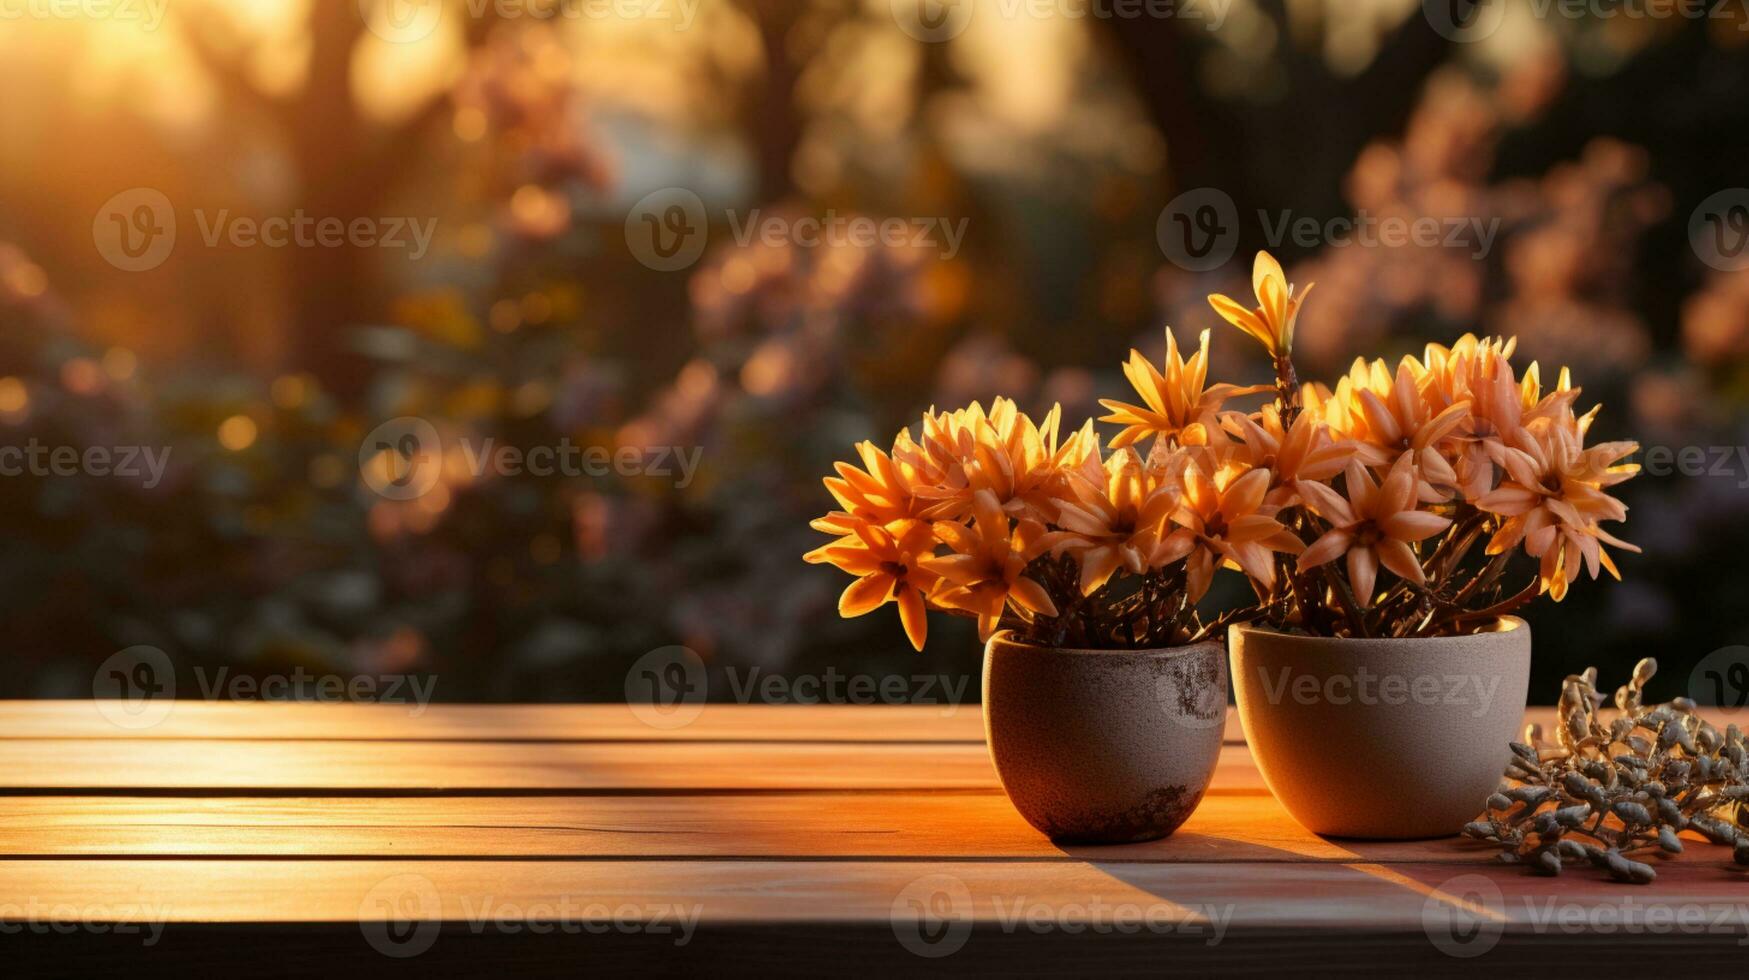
[1382,738]
[1104,746]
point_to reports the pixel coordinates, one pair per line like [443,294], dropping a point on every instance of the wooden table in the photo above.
[462,838]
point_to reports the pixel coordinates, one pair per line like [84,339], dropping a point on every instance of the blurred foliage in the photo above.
[263,549]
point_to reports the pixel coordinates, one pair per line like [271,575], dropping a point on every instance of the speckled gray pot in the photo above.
[1385,739]
[1104,746]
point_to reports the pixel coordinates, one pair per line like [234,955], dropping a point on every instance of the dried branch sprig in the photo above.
[1612,789]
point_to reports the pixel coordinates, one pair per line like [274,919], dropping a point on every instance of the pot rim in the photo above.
[1511,624]
[1006,637]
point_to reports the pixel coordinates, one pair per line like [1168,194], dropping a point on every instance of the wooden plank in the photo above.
[1226,827]
[499,722]
[548,722]
[315,768]
[1336,896]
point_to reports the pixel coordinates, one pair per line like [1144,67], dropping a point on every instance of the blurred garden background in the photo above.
[525,134]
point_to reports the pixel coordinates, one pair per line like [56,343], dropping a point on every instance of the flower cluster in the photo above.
[1387,506]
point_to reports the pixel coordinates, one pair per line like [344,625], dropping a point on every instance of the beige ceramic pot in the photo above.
[1388,739]
[1104,746]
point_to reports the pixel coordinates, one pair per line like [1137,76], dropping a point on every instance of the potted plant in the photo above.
[1384,672]
[1104,689]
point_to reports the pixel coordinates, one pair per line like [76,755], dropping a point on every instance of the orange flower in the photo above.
[1388,415]
[1004,452]
[1116,522]
[889,565]
[1304,452]
[882,492]
[1178,408]
[1553,499]
[1222,519]
[1374,526]
[984,574]
[1272,321]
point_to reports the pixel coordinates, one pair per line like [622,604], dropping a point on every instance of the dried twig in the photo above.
[1607,791]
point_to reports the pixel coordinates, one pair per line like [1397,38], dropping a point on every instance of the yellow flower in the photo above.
[1178,408]
[1272,321]
[1116,521]
[1374,526]
[1553,499]
[984,574]
[1222,519]
[889,565]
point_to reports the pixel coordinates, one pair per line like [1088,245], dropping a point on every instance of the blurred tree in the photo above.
[344,164]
